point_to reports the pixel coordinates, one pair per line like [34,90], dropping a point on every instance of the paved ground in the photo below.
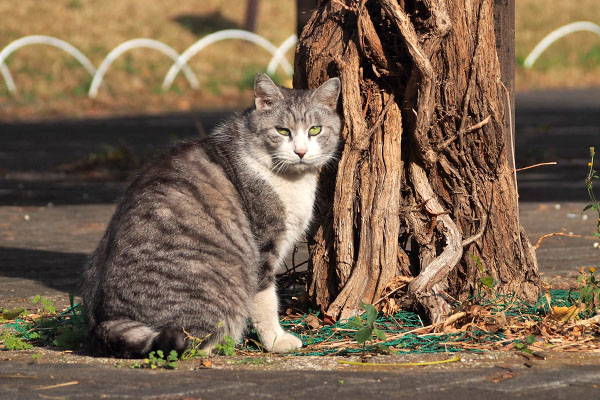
[494,376]
[49,224]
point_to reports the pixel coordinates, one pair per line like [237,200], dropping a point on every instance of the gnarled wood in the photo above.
[423,187]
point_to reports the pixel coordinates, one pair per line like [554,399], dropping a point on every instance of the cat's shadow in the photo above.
[56,270]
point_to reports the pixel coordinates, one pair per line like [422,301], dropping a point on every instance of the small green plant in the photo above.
[69,337]
[48,306]
[365,325]
[589,291]
[156,359]
[13,342]
[227,348]
[67,329]
[589,183]
[524,345]
[193,351]
[486,281]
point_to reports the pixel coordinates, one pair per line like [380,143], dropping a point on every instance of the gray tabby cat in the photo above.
[197,239]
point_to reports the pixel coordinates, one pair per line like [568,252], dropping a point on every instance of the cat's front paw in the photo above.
[286,342]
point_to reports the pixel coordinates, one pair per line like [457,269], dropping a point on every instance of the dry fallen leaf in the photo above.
[564,313]
[389,306]
[328,320]
[204,363]
[312,321]
[475,310]
[494,323]
[577,331]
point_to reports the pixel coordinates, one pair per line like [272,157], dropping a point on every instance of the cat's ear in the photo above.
[266,93]
[328,93]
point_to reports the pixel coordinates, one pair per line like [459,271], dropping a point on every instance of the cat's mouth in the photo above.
[294,166]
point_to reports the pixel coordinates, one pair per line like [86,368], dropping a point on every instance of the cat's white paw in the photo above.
[285,343]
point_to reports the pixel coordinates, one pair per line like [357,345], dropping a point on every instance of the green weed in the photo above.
[66,330]
[486,282]
[365,326]
[193,351]
[227,348]
[524,345]
[589,183]
[157,360]
[48,306]
[589,292]
[13,341]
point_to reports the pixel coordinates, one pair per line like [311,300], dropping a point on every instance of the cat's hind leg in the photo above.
[265,318]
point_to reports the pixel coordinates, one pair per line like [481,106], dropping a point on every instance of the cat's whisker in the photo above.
[277,165]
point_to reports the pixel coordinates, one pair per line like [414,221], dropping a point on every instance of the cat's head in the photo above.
[295,130]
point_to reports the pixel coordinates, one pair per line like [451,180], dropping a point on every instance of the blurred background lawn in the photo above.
[51,84]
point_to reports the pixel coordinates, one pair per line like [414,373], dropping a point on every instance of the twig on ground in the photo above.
[539,242]
[536,165]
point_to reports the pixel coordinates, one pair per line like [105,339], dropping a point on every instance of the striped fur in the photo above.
[196,240]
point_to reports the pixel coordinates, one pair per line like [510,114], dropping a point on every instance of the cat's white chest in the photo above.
[297,195]
[298,198]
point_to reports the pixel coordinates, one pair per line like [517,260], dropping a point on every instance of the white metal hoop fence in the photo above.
[558,34]
[180,61]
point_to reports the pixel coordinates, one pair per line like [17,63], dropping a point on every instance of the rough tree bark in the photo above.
[423,187]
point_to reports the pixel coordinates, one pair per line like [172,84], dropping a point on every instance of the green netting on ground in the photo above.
[65,329]
[338,339]
[331,339]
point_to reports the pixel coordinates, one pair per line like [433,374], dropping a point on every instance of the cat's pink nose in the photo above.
[300,153]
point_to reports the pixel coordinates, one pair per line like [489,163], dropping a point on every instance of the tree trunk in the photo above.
[423,188]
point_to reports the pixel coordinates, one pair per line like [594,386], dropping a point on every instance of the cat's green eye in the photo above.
[283,131]
[314,131]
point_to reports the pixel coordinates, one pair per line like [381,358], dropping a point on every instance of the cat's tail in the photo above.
[131,339]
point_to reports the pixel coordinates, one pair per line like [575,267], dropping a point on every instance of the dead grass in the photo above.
[573,61]
[53,85]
